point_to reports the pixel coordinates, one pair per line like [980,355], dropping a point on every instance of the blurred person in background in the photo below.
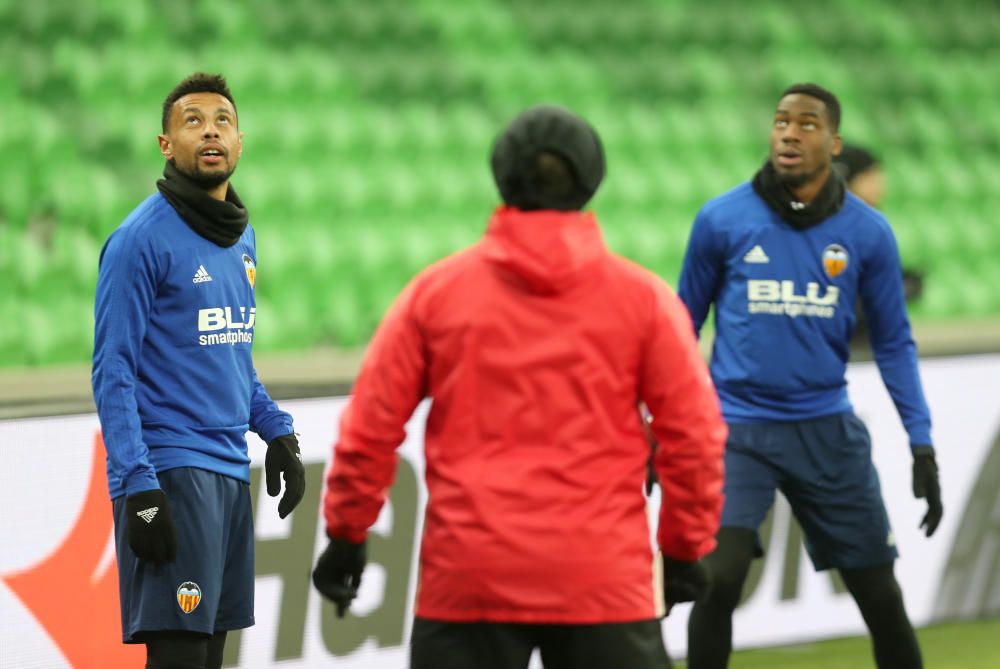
[784,258]
[862,173]
[536,346]
[176,392]
[864,176]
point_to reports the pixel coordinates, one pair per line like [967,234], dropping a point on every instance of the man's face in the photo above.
[202,138]
[869,186]
[802,141]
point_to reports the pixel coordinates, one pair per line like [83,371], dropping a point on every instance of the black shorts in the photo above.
[448,645]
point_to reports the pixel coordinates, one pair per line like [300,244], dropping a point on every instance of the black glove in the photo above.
[926,485]
[683,581]
[338,572]
[150,526]
[283,457]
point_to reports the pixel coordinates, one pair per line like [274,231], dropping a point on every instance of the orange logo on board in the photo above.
[77,570]
[834,260]
[250,268]
[188,596]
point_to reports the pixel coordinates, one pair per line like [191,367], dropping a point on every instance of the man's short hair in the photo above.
[199,82]
[854,160]
[826,97]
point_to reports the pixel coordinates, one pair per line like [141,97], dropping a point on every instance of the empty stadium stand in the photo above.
[368,127]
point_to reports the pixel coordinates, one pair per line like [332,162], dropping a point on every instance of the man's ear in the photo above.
[166,148]
[837,146]
[239,145]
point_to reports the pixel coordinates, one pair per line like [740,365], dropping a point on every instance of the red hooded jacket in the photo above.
[536,345]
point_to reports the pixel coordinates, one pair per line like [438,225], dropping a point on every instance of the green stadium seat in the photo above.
[938,299]
[75,253]
[12,350]
[31,262]
[347,324]
[39,333]
[17,197]
[368,132]
[269,330]
[912,179]
[975,296]
[9,242]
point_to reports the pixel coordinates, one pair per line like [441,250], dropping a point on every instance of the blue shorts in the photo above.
[209,588]
[824,469]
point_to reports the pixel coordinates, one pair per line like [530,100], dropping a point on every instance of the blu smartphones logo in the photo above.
[226,326]
[769,296]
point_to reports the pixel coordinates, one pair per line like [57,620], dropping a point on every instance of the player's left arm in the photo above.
[882,298]
[266,419]
[884,304]
[283,460]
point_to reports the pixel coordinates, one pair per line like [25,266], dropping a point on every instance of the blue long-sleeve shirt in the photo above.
[173,377]
[784,309]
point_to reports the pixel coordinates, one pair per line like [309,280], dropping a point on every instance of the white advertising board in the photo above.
[58,584]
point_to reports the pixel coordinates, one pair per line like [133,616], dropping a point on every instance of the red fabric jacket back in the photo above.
[535,346]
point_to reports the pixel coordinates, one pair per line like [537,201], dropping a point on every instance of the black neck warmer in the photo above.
[219,221]
[799,215]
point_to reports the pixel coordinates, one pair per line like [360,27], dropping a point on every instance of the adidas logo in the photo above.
[756,255]
[202,275]
[150,513]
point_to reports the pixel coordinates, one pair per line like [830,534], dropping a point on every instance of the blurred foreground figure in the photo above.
[784,258]
[536,346]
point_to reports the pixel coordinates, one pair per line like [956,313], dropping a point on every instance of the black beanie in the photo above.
[547,129]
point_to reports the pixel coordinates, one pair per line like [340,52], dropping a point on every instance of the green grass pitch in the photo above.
[967,645]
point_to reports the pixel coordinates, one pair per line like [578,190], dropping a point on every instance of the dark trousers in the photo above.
[874,588]
[448,645]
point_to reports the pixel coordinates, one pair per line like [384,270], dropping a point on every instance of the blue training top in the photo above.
[784,309]
[173,378]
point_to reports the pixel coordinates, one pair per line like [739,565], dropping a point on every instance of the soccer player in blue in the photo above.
[783,258]
[176,392]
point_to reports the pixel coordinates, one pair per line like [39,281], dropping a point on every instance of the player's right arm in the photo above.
[702,272]
[687,422]
[126,288]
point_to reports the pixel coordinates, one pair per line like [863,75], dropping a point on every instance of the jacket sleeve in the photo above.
[266,419]
[391,383]
[884,304]
[688,425]
[702,271]
[126,286]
